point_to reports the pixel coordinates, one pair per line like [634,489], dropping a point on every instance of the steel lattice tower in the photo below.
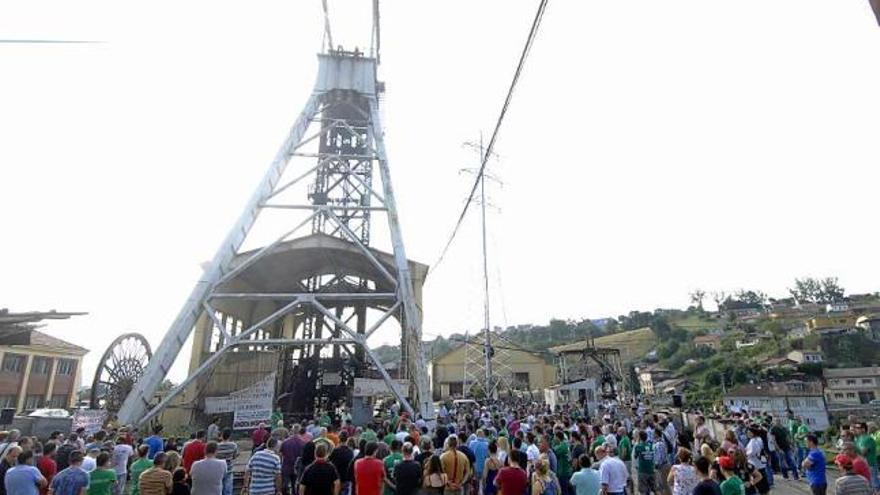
[328,306]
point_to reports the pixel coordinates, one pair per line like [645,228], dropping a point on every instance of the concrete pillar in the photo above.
[77,381]
[51,386]
[288,326]
[22,392]
[203,328]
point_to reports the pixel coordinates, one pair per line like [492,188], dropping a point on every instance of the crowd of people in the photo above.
[502,448]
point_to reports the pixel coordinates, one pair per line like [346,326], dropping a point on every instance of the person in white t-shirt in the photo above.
[121,453]
[89,463]
[613,475]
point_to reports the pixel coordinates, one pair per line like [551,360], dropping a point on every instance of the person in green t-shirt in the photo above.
[141,464]
[388,438]
[369,435]
[276,420]
[643,454]
[563,458]
[876,436]
[598,439]
[732,484]
[103,478]
[793,423]
[392,460]
[324,420]
[624,447]
[800,439]
[866,446]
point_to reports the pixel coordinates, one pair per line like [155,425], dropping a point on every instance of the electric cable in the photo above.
[536,23]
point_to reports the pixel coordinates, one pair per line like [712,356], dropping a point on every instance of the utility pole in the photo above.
[481,368]
[487,337]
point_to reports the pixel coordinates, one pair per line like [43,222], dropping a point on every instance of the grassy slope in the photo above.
[693,323]
[633,344]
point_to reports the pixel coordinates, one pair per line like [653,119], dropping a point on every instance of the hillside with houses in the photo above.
[815,352]
[817,348]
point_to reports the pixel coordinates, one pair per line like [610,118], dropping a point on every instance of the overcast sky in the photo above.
[652,148]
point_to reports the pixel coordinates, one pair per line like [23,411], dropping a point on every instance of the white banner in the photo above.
[367,387]
[90,419]
[217,405]
[251,406]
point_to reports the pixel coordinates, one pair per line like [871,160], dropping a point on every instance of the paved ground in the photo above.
[782,486]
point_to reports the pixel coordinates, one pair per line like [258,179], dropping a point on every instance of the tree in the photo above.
[719,297]
[749,299]
[611,326]
[806,290]
[697,297]
[831,290]
[635,319]
[814,290]
[661,328]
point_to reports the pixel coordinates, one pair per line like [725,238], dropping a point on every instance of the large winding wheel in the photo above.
[120,368]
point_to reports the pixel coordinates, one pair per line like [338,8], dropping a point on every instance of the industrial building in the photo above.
[804,399]
[529,372]
[847,387]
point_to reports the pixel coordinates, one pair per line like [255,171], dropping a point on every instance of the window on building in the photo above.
[838,395]
[456,388]
[58,401]
[521,380]
[850,395]
[41,365]
[33,402]
[867,381]
[13,363]
[7,401]
[66,366]
[850,381]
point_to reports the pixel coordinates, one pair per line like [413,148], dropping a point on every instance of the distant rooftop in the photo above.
[778,389]
[851,372]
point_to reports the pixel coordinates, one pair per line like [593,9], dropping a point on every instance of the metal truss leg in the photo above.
[412,316]
[138,401]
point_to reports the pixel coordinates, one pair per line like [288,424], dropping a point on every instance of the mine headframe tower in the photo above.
[317,288]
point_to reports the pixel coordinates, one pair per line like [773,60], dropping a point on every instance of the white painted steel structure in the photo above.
[340,73]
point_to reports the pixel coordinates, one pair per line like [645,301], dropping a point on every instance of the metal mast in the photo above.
[344,105]
[489,386]
[487,356]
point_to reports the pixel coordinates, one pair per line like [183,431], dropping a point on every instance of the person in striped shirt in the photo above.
[227,450]
[156,480]
[263,474]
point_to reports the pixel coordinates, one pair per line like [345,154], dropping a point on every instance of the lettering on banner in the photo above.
[91,420]
[253,405]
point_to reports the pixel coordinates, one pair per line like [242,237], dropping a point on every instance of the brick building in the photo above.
[46,372]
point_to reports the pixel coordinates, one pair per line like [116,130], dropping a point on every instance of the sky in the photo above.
[652,148]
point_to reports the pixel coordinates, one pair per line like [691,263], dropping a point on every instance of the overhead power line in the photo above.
[533,32]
